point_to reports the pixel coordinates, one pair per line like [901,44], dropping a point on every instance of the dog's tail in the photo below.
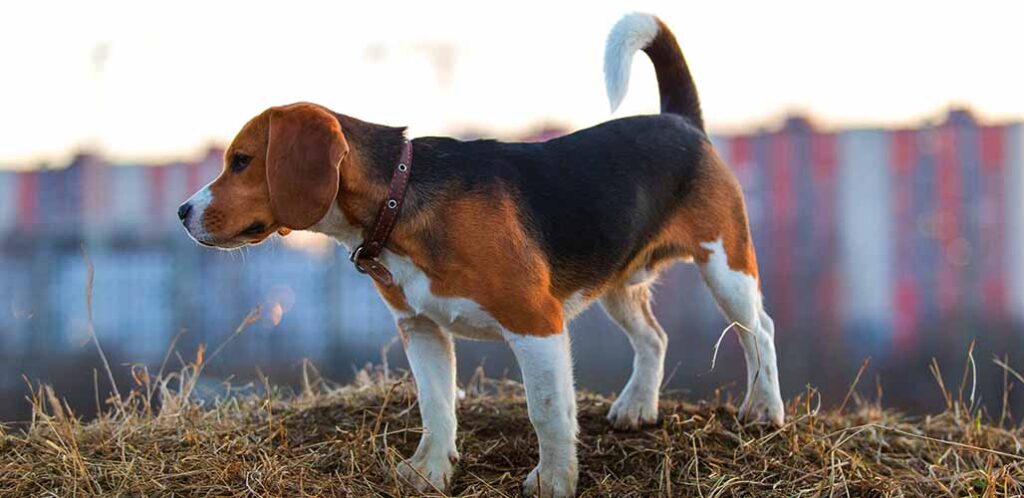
[646,32]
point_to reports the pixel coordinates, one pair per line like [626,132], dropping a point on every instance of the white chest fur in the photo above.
[460,316]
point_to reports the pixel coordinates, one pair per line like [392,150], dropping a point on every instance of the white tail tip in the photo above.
[633,32]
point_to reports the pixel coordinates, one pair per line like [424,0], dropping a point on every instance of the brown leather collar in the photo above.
[365,256]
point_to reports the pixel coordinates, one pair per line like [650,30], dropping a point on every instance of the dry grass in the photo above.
[345,441]
[166,437]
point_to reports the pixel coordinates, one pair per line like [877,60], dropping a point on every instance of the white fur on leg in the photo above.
[431,356]
[740,300]
[546,363]
[633,32]
[637,404]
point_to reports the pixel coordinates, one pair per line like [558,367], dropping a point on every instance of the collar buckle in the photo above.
[353,257]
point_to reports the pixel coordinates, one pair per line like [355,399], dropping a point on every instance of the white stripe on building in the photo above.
[865,231]
[129,197]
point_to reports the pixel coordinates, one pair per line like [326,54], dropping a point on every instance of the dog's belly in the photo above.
[468,329]
[460,316]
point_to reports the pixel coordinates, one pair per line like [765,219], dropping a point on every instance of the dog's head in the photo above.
[280,173]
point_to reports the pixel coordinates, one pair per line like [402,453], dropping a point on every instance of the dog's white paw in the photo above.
[552,482]
[429,472]
[633,410]
[763,404]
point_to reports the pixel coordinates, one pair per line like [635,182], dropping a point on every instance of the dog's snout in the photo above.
[184,210]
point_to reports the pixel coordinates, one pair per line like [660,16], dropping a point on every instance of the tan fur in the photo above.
[714,210]
[483,252]
[241,198]
[515,284]
[393,295]
[293,149]
[305,147]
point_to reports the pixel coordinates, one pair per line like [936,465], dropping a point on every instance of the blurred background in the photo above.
[880,145]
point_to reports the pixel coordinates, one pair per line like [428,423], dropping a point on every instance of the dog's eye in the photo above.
[254,229]
[240,162]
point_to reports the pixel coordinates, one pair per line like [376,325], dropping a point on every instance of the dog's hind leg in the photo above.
[630,307]
[739,297]
[431,355]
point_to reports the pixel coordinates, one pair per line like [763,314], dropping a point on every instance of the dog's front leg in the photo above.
[431,356]
[546,363]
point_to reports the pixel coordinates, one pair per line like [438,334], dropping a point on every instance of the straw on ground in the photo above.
[346,441]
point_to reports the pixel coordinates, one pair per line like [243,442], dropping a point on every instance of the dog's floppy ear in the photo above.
[305,147]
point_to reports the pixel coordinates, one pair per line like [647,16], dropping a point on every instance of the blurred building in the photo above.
[886,231]
[873,232]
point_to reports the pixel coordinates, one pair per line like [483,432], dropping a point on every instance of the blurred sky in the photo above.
[150,81]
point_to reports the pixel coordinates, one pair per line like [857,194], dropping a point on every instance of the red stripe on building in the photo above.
[28,198]
[993,220]
[824,156]
[947,222]
[903,151]
[781,208]
[157,194]
[906,319]
[903,157]
[740,152]
[993,147]
[193,179]
[824,167]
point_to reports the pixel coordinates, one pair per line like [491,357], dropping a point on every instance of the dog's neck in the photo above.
[365,174]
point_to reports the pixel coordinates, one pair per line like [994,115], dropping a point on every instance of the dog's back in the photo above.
[593,199]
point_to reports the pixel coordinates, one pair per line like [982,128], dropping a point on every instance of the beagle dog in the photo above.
[510,241]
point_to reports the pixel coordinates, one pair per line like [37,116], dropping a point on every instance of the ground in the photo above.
[346,441]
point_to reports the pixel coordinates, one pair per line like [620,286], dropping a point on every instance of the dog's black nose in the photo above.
[184,210]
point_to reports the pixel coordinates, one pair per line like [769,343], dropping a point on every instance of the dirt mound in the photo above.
[346,441]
